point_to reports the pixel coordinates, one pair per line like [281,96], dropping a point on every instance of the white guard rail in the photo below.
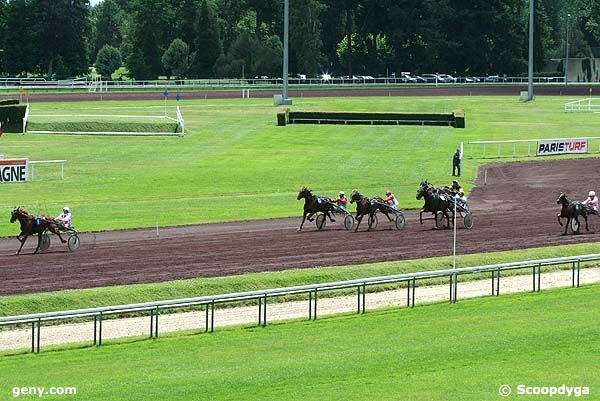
[516,147]
[262,296]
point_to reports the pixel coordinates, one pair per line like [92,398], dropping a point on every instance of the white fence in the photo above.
[93,85]
[589,105]
[208,303]
[518,147]
[32,164]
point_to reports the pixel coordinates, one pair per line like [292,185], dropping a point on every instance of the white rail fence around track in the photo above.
[95,85]
[209,303]
[518,147]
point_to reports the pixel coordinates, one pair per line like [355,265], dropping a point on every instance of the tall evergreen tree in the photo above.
[21,49]
[108,24]
[207,43]
[305,36]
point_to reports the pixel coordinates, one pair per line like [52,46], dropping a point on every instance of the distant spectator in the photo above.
[456,163]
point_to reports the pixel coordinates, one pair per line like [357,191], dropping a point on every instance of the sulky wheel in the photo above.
[321,221]
[373,222]
[348,222]
[44,242]
[400,221]
[574,225]
[468,221]
[439,220]
[73,242]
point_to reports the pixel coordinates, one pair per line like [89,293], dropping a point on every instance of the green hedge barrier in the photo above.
[8,102]
[455,119]
[11,117]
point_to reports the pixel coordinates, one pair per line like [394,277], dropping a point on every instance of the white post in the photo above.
[485,177]
[454,246]
[62,171]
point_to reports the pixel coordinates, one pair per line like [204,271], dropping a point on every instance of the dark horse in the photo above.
[314,204]
[366,206]
[33,225]
[571,210]
[434,203]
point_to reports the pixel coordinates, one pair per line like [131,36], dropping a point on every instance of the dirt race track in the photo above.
[516,209]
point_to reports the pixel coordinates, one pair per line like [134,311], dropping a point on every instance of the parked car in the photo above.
[445,78]
[430,78]
[406,78]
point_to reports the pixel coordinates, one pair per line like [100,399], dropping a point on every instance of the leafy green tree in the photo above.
[3,7]
[269,58]
[108,60]
[207,43]
[176,59]
[108,24]
[305,36]
[21,50]
[144,38]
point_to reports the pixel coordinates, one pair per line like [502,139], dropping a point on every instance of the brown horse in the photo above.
[31,225]
[366,206]
[314,204]
[571,210]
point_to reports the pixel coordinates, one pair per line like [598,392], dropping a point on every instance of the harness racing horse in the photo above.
[366,206]
[571,210]
[314,204]
[33,225]
[434,203]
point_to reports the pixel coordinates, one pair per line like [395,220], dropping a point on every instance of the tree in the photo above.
[21,50]
[269,58]
[3,7]
[62,28]
[176,59]
[144,38]
[305,35]
[108,60]
[108,24]
[207,43]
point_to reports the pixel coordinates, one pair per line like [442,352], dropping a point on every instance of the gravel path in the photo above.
[140,326]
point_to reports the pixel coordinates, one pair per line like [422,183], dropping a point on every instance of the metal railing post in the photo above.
[32,337]
[414,285]
[39,326]
[315,311]
[156,324]
[95,328]
[100,330]
[151,323]
[310,305]
[206,320]
[364,299]
[212,317]
[265,311]
[358,299]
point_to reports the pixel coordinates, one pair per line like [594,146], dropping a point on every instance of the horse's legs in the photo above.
[55,231]
[39,244]
[559,220]
[303,219]
[22,243]
[310,217]
[586,223]
[328,214]
[577,220]
[567,225]
[359,219]
[387,215]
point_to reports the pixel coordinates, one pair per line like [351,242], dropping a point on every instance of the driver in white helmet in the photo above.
[341,200]
[65,217]
[591,203]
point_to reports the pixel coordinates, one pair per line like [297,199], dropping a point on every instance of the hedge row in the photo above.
[12,115]
[455,119]
[9,102]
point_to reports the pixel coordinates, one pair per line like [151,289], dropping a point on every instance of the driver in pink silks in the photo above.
[391,200]
[591,202]
[65,217]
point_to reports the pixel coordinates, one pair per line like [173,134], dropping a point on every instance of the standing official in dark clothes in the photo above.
[456,163]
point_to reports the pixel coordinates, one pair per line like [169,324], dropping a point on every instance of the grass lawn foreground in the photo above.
[444,352]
